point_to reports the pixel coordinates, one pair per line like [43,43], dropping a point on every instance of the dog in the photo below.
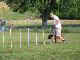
[51,35]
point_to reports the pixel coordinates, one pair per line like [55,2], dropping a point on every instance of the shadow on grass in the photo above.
[54,43]
[37,42]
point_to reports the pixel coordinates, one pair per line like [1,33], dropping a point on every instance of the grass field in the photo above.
[59,51]
[68,51]
[7,13]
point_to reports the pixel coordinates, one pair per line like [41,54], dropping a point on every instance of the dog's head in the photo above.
[51,35]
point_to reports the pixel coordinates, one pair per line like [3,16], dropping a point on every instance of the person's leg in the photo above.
[52,42]
[59,35]
[53,39]
[64,41]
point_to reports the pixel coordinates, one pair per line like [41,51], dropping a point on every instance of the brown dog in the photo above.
[51,35]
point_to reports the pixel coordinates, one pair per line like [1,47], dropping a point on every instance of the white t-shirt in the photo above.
[58,25]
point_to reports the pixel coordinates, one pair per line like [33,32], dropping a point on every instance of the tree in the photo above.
[43,6]
[69,9]
[2,0]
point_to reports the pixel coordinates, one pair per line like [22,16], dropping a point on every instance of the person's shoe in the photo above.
[64,41]
[51,43]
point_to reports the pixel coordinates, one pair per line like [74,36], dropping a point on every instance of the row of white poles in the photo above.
[20,38]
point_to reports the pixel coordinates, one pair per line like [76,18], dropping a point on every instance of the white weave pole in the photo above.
[10,37]
[36,38]
[3,36]
[50,29]
[43,36]
[20,37]
[28,36]
[3,39]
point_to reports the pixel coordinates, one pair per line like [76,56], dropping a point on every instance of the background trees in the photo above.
[43,6]
[65,9]
[69,9]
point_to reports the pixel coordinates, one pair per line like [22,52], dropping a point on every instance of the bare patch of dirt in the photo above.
[12,58]
[78,58]
[25,15]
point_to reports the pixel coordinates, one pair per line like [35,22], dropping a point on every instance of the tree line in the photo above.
[69,9]
[2,0]
[65,9]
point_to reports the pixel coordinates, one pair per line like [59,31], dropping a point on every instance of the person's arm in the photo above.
[56,22]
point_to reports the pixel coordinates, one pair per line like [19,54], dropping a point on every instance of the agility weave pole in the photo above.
[3,39]
[3,36]
[20,37]
[28,36]
[43,36]
[36,38]
[10,38]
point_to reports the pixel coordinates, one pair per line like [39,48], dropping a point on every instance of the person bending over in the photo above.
[57,28]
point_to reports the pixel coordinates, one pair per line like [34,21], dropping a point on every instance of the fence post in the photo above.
[27,23]
[23,23]
[65,21]
[50,29]
[35,25]
[11,24]
[16,22]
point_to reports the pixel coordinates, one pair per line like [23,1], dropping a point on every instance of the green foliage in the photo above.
[3,9]
[32,5]
[2,0]
[66,9]
[8,14]
[43,6]
[70,9]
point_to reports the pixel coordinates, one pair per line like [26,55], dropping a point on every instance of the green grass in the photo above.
[8,14]
[68,51]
